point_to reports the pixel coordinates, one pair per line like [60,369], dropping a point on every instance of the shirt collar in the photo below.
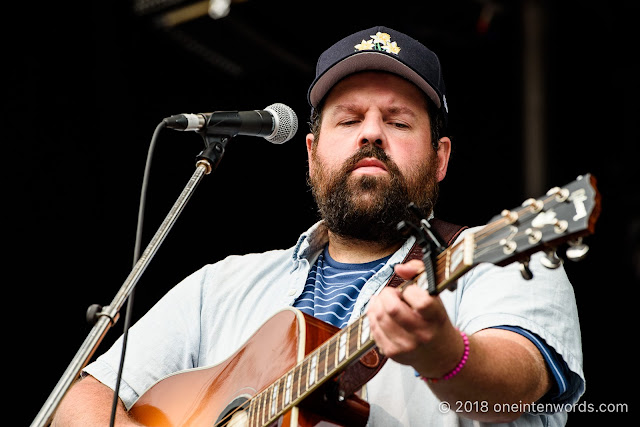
[312,242]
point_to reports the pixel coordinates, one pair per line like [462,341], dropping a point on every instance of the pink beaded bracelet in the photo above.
[455,371]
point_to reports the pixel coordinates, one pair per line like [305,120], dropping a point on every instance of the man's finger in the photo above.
[409,269]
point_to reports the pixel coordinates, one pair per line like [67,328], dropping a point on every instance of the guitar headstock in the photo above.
[564,214]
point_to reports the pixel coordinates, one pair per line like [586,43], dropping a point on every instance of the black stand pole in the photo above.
[107,316]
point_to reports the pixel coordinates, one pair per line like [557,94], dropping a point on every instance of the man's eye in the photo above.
[400,125]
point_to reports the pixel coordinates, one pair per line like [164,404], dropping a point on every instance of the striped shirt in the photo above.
[332,288]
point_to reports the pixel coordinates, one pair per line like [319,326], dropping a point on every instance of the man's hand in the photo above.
[413,328]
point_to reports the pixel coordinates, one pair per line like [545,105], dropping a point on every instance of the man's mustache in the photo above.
[368,151]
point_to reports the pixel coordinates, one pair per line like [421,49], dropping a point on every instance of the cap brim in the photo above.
[363,61]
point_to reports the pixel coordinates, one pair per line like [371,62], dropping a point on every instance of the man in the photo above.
[480,353]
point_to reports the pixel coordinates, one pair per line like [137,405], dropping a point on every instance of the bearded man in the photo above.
[376,144]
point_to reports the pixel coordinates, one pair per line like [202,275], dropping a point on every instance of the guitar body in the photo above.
[202,396]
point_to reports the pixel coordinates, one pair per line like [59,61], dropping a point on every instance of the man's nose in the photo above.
[372,132]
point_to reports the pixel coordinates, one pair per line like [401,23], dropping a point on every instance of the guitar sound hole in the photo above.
[234,415]
[239,419]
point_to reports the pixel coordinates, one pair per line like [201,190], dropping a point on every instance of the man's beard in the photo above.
[369,207]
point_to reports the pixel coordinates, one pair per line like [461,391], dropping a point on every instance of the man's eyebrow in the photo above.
[349,108]
[395,109]
[401,109]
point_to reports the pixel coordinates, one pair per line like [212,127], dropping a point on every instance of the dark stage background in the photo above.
[88,82]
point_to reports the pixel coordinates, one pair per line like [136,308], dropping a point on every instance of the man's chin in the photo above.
[366,183]
[366,200]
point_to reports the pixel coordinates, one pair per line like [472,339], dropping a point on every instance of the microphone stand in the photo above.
[106,317]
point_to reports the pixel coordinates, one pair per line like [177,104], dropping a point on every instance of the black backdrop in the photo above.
[87,84]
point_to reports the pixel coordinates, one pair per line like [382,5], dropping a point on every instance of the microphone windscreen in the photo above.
[286,123]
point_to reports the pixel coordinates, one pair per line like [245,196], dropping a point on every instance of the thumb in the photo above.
[409,269]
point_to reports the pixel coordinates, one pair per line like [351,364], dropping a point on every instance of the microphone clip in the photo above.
[215,146]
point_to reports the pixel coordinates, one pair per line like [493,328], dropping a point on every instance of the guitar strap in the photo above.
[359,373]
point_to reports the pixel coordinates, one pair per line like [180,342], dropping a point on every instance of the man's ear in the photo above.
[443,153]
[310,139]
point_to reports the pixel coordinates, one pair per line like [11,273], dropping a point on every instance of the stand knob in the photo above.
[92,313]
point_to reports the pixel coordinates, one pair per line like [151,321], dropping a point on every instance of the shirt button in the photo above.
[292,292]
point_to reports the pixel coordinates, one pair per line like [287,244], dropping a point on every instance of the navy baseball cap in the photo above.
[380,49]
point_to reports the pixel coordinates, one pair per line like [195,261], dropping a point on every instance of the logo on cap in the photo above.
[381,42]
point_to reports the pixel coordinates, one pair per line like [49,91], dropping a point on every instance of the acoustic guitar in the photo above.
[288,372]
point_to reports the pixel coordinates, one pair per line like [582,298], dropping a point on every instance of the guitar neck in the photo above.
[345,347]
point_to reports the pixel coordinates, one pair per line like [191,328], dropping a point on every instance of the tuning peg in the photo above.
[510,216]
[508,246]
[551,260]
[560,226]
[536,205]
[525,270]
[561,193]
[577,250]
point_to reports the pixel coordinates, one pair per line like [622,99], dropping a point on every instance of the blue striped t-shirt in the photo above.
[332,288]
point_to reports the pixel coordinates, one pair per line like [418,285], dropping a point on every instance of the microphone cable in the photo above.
[136,257]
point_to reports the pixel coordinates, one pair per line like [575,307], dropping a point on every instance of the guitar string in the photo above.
[488,247]
[489,231]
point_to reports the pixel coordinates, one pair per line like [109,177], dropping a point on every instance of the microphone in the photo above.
[277,123]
